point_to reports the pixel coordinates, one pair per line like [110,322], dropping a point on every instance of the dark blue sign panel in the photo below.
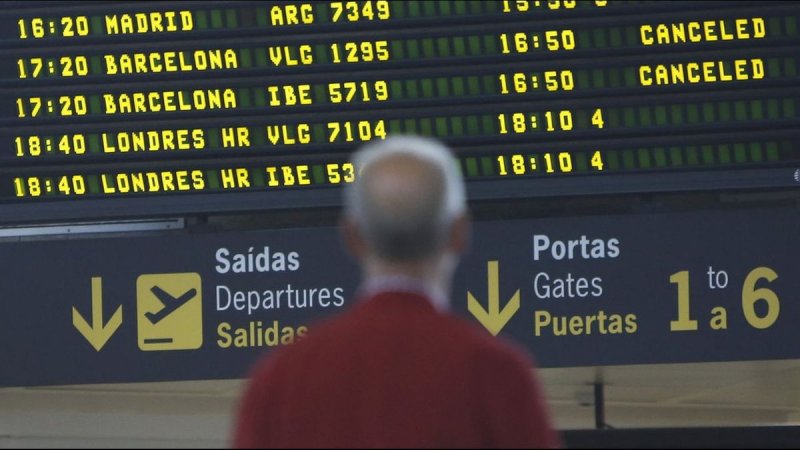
[163,308]
[660,288]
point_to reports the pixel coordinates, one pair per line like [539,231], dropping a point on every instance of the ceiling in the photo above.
[200,413]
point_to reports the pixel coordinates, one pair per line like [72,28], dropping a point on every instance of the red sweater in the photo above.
[393,372]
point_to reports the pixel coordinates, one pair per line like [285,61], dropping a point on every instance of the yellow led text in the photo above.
[291,14]
[291,56]
[702,72]
[154,22]
[235,178]
[289,95]
[152,141]
[161,181]
[180,61]
[288,176]
[289,134]
[707,30]
[143,102]
[235,137]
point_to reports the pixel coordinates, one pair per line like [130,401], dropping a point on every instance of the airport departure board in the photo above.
[152,108]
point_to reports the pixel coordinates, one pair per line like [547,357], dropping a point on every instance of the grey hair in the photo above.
[419,227]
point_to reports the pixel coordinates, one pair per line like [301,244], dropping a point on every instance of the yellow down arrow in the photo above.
[97,334]
[494,320]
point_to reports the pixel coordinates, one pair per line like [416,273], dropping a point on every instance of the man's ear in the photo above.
[352,237]
[460,234]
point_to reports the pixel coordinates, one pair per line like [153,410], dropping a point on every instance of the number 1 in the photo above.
[684,323]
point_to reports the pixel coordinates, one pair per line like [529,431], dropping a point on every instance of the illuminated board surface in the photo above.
[116,109]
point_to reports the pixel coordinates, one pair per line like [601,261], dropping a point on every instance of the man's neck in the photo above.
[425,272]
[430,277]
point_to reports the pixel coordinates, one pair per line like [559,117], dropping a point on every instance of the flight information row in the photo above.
[321,172]
[226,62]
[110,20]
[338,97]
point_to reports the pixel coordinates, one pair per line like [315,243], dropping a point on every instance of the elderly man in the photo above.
[397,369]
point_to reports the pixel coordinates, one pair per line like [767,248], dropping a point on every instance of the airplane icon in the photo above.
[170,303]
[169,311]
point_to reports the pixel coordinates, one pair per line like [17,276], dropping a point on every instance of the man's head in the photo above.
[407,204]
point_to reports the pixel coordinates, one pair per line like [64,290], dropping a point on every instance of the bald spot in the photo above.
[403,199]
[403,187]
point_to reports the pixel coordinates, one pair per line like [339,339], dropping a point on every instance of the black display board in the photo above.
[127,109]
